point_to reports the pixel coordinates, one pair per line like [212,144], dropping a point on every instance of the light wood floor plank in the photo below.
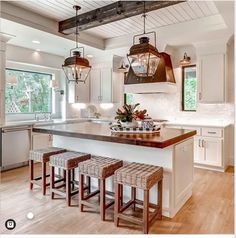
[209,211]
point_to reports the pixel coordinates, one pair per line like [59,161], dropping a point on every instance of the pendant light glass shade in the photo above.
[186,60]
[144,57]
[76,67]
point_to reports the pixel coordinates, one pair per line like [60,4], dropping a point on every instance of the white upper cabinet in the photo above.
[211,71]
[102,85]
[79,93]
[211,78]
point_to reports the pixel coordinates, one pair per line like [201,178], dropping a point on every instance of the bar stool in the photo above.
[142,176]
[101,168]
[67,161]
[42,156]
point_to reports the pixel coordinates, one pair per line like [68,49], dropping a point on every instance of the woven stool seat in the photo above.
[68,160]
[138,175]
[100,167]
[42,155]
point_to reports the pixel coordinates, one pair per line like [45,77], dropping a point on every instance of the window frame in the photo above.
[183,79]
[32,71]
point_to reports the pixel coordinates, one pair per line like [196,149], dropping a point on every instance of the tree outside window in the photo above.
[28,92]
[189,88]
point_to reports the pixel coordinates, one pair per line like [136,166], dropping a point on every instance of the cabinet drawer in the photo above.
[212,132]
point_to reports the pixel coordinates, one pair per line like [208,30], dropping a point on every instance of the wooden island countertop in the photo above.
[101,131]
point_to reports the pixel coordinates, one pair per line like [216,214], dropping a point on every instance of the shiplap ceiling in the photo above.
[60,10]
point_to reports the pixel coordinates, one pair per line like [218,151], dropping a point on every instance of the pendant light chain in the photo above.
[77,28]
[144,17]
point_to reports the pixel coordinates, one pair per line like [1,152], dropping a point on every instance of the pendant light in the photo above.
[144,57]
[76,67]
[186,60]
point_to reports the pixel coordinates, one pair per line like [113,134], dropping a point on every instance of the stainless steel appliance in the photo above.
[15,146]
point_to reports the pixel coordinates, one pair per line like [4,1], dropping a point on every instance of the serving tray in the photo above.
[134,130]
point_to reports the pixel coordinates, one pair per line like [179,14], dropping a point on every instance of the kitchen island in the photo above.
[170,148]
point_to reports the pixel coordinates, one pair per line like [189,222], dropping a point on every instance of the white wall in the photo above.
[26,59]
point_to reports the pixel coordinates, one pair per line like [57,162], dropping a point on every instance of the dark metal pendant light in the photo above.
[144,57]
[186,60]
[76,67]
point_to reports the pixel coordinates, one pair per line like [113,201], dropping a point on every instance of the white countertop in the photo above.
[190,123]
[53,121]
[199,123]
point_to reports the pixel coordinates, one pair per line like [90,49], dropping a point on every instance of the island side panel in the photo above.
[182,174]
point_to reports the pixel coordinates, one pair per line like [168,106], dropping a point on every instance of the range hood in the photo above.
[162,82]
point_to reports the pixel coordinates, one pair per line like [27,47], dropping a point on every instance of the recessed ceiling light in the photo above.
[90,56]
[35,41]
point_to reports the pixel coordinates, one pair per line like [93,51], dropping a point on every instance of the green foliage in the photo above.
[126,113]
[190,92]
[32,92]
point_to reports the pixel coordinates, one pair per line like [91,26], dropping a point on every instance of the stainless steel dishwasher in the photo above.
[15,146]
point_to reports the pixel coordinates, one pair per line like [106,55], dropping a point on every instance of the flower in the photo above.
[127,113]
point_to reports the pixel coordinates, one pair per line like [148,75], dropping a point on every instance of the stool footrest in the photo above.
[109,204]
[91,194]
[127,205]
[130,218]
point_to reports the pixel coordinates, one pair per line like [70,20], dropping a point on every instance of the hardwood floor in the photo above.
[209,211]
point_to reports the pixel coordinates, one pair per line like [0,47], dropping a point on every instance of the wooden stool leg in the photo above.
[99,188]
[160,199]
[133,196]
[146,212]
[44,178]
[81,192]
[117,203]
[73,178]
[103,198]
[31,164]
[121,194]
[68,187]
[88,184]
[52,180]
[64,175]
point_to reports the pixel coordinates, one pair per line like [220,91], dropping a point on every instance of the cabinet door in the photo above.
[212,78]
[106,85]
[95,83]
[213,151]
[79,93]
[82,94]
[199,156]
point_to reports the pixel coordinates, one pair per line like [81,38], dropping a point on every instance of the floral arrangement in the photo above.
[128,113]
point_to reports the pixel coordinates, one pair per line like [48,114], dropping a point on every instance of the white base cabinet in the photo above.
[208,151]
[210,147]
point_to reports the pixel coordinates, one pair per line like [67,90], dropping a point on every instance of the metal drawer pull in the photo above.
[211,132]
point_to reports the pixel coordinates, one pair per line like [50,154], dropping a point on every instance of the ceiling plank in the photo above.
[111,13]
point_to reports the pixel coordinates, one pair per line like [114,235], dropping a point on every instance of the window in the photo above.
[189,88]
[28,92]
[128,98]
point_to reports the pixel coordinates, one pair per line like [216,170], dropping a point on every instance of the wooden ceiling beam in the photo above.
[111,13]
